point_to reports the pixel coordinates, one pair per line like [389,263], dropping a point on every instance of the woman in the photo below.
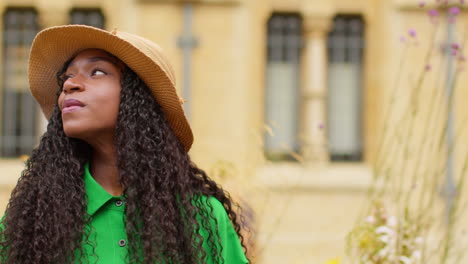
[111,180]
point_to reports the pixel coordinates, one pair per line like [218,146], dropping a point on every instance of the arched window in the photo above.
[282,85]
[19,110]
[87,16]
[345,56]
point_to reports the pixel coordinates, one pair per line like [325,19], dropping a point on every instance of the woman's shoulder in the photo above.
[212,205]
[231,248]
[215,213]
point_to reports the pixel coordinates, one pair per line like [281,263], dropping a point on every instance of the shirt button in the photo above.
[122,242]
[118,203]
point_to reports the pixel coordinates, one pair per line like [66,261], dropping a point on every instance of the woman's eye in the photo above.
[98,72]
[65,77]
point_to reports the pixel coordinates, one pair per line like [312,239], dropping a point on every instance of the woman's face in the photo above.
[91,95]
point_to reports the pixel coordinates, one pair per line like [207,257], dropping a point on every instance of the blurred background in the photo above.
[286,99]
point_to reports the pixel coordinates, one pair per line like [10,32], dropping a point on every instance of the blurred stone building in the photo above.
[284,97]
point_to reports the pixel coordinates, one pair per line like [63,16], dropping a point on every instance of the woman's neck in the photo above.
[103,168]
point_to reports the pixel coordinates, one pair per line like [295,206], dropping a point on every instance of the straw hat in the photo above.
[53,46]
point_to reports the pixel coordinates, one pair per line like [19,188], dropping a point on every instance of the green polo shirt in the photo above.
[108,227]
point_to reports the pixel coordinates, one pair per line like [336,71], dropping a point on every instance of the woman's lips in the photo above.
[71,105]
[70,109]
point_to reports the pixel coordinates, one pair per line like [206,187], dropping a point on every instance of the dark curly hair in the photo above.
[46,218]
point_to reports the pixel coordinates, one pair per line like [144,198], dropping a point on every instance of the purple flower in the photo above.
[455,46]
[454,11]
[433,13]
[422,3]
[321,126]
[428,67]
[412,33]
[462,2]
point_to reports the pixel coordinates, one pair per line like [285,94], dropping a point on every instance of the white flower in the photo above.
[384,230]
[383,252]
[385,239]
[416,255]
[392,221]
[405,260]
[418,240]
[370,219]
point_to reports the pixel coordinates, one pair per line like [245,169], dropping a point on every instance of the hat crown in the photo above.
[152,50]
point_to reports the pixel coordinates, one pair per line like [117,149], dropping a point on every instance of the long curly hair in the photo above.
[46,220]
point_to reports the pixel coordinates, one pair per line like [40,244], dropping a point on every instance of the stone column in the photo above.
[314,91]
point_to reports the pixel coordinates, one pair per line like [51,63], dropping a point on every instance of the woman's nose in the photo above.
[73,84]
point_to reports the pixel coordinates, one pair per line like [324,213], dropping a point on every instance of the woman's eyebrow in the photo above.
[99,58]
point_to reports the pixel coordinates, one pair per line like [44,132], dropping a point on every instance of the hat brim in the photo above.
[52,47]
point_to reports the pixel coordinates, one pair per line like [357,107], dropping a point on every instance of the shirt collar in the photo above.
[97,196]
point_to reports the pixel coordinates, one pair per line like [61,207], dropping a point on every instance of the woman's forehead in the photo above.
[94,55]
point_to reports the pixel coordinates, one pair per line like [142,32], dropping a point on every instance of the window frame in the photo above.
[20,95]
[290,49]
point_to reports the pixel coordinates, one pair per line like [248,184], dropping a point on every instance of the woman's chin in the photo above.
[74,132]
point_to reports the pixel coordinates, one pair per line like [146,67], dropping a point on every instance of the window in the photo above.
[19,110]
[86,16]
[345,48]
[282,85]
